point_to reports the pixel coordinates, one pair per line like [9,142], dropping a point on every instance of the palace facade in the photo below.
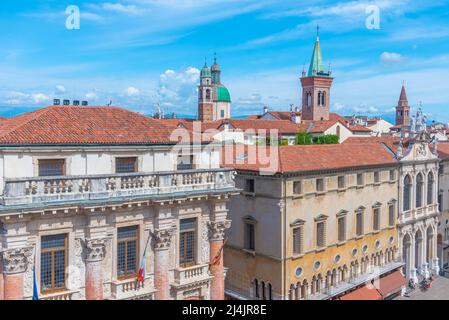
[99,203]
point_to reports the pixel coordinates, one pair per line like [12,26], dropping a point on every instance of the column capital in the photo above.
[162,238]
[217,229]
[95,249]
[16,260]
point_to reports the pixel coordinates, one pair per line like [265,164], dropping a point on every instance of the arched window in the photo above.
[270,292]
[208,94]
[201,94]
[430,183]
[256,288]
[407,192]
[323,98]
[309,99]
[419,190]
[319,98]
[262,284]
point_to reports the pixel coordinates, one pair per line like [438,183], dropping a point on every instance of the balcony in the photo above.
[191,275]
[131,289]
[37,190]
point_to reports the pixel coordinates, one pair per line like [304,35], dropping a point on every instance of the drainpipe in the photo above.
[284,240]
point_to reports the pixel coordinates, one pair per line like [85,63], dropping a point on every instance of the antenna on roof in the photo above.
[110,103]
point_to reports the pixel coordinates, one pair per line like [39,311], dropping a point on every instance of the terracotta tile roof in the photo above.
[359,128]
[305,157]
[367,292]
[284,115]
[391,142]
[391,283]
[55,125]
[283,126]
[443,150]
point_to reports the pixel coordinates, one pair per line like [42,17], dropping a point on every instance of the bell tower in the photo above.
[205,95]
[316,87]
[403,109]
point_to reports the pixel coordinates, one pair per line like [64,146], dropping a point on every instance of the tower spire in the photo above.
[316,64]
[317,32]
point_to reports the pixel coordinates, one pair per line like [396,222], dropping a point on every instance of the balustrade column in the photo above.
[216,236]
[15,264]
[95,253]
[161,243]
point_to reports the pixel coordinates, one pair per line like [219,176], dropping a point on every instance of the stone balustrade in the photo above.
[188,275]
[38,190]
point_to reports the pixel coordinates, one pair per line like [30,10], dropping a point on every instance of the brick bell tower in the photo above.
[316,86]
[403,109]
[205,95]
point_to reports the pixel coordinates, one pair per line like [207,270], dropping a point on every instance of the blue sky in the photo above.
[141,52]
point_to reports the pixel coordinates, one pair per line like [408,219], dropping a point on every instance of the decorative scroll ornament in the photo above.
[16,260]
[217,229]
[95,249]
[162,238]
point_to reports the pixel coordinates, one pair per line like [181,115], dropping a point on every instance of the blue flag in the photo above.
[35,294]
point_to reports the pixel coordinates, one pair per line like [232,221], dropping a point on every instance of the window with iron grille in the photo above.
[391,214]
[342,229]
[297,187]
[376,177]
[249,185]
[341,182]
[187,236]
[53,262]
[127,251]
[360,179]
[250,234]
[359,223]
[126,165]
[376,219]
[321,234]
[51,167]
[319,185]
[297,240]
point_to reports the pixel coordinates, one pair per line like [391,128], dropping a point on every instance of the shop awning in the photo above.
[391,284]
[363,293]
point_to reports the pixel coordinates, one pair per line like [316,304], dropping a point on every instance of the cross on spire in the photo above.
[317,32]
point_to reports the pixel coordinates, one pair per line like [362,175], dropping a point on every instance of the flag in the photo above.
[35,294]
[143,262]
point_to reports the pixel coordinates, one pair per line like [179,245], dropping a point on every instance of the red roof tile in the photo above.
[82,125]
[305,157]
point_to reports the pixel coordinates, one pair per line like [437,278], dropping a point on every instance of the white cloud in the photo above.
[132,91]
[60,89]
[390,57]
[91,95]
[40,97]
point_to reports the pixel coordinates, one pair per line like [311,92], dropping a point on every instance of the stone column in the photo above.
[161,243]
[216,269]
[15,263]
[95,253]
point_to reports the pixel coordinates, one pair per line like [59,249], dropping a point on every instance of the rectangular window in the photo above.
[319,185]
[51,167]
[250,236]
[376,177]
[321,234]
[249,185]
[127,251]
[126,165]
[185,162]
[391,215]
[360,179]
[297,240]
[53,262]
[222,113]
[376,219]
[341,229]
[297,187]
[187,238]
[392,175]
[341,182]
[359,224]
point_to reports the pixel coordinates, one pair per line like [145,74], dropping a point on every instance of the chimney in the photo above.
[295,118]
[296,109]
[265,109]
[56,102]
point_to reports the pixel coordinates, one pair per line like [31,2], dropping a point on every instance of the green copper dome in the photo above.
[316,63]
[223,94]
[205,72]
